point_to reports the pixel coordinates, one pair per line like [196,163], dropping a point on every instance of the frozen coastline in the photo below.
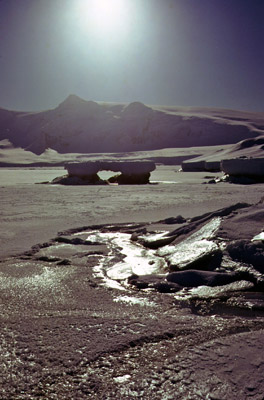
[34,213]
[68,335]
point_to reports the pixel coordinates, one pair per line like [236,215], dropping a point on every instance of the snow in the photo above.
[126,167]
[251,148]
[82,126]
[229,365]
[33,213]
[243,166]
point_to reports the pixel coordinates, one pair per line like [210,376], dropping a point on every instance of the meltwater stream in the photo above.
[135,259]
[127,257]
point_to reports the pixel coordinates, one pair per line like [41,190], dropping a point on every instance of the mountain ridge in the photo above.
[81,126]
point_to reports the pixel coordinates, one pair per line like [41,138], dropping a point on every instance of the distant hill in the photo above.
[80,126]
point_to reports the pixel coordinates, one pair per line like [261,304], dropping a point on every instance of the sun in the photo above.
[103,16]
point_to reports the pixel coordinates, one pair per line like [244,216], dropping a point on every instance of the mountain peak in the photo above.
[136,108]
[72,100]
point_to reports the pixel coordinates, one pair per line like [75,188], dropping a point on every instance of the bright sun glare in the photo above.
[103,16]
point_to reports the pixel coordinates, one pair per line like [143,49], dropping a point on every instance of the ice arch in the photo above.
[128,172]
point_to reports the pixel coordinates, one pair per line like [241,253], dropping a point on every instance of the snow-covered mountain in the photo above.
[81,126]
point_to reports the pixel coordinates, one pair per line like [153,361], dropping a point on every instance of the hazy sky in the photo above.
[170,52]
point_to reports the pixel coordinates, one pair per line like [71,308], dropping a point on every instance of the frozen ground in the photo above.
[63,335]
[33,213]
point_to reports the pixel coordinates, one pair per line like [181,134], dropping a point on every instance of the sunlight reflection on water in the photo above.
[45,281]
[127,257]
[260,236]
[135,300]
[193,247]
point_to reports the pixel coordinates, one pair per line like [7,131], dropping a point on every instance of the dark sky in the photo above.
[165,52]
